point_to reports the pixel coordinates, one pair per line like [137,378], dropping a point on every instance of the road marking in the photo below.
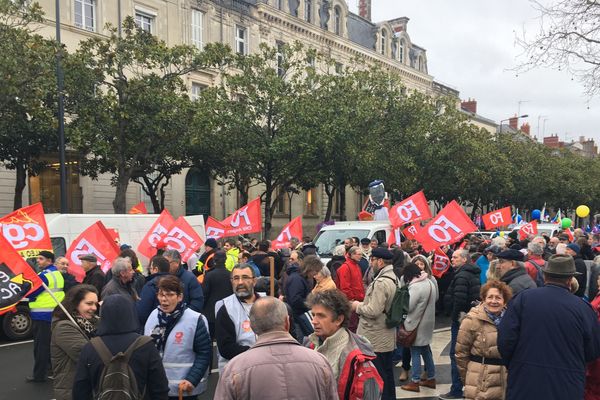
[16,343]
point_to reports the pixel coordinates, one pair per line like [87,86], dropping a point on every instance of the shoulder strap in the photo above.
[390,278]
[137,343]
[535,264]
[103,351]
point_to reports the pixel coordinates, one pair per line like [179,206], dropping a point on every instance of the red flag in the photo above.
[528,229]
[17,278]
[94,240]
[414,208]
[395,237]
[25,229]
[412,231]
[114,235]
[440,264]
[292,229]
[157,231]
[183,238]
[139,208]
[494,219]
[248,219]
[214,229]
[570,234]
[449,226]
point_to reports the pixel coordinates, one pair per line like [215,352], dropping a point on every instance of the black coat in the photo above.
[96,278]
[518,279]
[546,337]
[216,286]
[581,279]
[297,288]
[463,290]
[117,328]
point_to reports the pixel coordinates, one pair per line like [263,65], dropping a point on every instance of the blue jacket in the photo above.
[297,288]
[484,264]
[148,300]
[192,290]
[546,337]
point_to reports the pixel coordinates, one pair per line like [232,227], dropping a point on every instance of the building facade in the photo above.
[325,25]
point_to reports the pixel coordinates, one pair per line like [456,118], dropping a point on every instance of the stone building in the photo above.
[326,25]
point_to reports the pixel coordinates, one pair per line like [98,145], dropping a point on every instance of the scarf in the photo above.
[495,318]
[88,326]
[166,322]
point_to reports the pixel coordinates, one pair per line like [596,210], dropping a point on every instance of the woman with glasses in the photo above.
[182,339]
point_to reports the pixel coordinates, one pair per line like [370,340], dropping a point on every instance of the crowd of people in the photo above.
[524,321]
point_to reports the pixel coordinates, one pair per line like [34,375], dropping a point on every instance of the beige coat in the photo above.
[326,284]
[65,347]
[277,367]
[478,336]
[378,300]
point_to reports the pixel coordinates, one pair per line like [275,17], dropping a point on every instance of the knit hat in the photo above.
[575,247]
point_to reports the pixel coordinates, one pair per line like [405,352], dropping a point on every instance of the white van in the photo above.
[331,236]
[64,228]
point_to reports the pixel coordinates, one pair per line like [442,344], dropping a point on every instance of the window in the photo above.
[280,4]
[401,51]
[383,42]
[144,21]
[241,40]
[197,22]
[281,204]
[197,88]
[280,59]
[337,20]
[339,68]
[310,203]
[85,14]
[308,10]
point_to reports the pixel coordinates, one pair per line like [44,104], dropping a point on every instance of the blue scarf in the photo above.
[166,322]
[496,318]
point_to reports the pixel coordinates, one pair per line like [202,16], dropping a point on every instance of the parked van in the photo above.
[331,236]
[64,228]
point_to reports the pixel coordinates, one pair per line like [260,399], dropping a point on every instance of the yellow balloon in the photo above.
[582,211]
[501,234]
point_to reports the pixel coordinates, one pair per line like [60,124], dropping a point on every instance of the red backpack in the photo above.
[359,379]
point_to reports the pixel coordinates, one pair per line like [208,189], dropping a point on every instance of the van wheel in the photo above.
[17,325]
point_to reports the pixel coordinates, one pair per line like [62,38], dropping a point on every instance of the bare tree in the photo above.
[568,39]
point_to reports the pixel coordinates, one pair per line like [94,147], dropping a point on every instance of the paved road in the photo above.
[17,361]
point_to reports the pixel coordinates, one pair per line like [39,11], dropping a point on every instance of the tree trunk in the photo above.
[342,190]
[163,194]
[119,203]
[20,182]
[268,209]
[330,191]
[149,188]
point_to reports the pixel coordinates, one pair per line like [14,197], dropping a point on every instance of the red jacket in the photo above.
[350,281]
[530,268]
[592,375]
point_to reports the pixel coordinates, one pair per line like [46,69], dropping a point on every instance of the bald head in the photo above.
[269,314]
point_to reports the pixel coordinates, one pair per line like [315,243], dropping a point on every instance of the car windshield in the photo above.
[326,241]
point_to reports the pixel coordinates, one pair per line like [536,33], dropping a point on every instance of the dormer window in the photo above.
[401,51]
[308,10]
[337,20]
[383,42]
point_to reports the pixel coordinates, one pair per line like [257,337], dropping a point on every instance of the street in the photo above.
[17,359]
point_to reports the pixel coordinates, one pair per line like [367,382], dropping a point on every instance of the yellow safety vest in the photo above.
[44,302]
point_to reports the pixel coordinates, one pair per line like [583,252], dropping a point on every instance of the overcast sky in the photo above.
[471,47]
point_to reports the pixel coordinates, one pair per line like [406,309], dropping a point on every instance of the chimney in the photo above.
[469,105]
[514,123]
[525,128]
[364,9]
[581,139]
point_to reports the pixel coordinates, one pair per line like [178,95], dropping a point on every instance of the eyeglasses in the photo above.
[241,278]
[166,294]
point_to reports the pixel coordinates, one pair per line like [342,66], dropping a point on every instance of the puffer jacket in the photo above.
[477,336]
[518,279]
[350,280]
[463,289]
[371,311]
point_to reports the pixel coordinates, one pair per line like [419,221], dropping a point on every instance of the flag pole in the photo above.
[62,307]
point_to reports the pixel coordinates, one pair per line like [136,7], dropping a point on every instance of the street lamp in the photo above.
[508,119]
[61,117]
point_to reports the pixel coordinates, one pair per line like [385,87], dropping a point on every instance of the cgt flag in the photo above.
[94,240]
[157,231]
[214,229]
[17,278]
[26,230]
[441,263]
[414,208]
[139,208]
[292,229]
[248,219]
[497,218]
[183,238]
[528,229]
[449,226]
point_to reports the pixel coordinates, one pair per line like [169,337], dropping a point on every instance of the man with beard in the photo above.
[232,324]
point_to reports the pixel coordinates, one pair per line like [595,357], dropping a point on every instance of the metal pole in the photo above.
[61,116]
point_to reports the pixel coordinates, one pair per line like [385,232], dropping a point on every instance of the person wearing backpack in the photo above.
[350,356]
[535,261]
[134,358]
[182,339]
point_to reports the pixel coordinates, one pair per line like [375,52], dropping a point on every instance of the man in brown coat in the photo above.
[276,367]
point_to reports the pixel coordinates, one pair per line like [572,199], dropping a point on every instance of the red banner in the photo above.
[17,278]
[248,219]
[25,229]
[292,229]
[495,219]
[183,238]
[528,229]
[449,226]
[94,240]
[440,264]
[411,232]
[413,208]
[395,237]
[157,231]
[139,208]
[214,229]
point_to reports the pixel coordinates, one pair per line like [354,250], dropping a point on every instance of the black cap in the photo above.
[382,252]
[47,254]
[365,241]
[511,254]
[89,257]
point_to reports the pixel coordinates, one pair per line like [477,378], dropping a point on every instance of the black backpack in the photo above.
[398,311]
[117,381]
